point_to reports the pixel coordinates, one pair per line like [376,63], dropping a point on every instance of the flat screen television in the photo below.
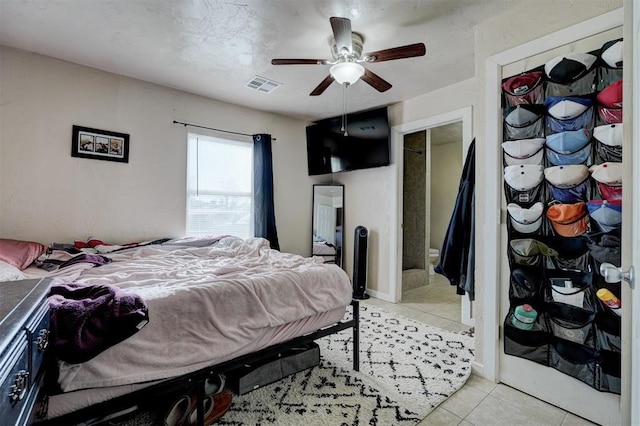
[365,146]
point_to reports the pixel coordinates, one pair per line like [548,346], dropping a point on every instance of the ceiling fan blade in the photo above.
[298,61]
[342,33]
[408,51]
[375,81]
[322,86]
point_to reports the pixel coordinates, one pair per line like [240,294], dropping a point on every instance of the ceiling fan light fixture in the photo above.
[347,72]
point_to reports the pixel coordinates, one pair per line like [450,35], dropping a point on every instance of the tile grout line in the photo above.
[564,419]
[476,406]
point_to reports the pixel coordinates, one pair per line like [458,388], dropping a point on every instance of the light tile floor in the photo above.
[479,402]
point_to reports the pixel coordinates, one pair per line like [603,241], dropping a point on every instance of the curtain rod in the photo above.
[212,128]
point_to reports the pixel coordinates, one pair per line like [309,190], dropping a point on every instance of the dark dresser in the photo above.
[24,337]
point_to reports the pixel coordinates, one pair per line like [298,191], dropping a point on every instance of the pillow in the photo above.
[10,272]
[20,253]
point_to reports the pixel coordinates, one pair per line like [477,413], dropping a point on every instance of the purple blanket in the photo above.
[87,319]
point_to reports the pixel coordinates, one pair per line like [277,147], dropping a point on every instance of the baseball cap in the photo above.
[567,68]
[524,88]
[609,134]
[611,96]
[569,141]
[562,107]
[611,53]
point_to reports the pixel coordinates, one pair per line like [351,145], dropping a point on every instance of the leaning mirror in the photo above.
[327,220]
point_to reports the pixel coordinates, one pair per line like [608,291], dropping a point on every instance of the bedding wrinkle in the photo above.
[86,320]
[207,305]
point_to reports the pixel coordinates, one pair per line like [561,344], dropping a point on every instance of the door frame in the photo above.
[631,34]
[492,210]
[397,142]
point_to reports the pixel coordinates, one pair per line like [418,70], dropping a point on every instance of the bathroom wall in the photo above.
[446,169]
[414,202]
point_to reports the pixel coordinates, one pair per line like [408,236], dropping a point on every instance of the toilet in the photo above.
[434,255]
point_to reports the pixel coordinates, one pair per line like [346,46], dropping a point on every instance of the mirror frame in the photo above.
[335,241]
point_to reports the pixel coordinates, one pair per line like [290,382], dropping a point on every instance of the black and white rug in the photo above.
[406,370]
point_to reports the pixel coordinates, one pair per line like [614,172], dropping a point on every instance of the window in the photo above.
[219,186]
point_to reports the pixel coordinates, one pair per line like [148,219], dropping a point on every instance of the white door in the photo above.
[538,380]
[326,223]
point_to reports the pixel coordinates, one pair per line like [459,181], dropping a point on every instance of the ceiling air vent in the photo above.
[262,84]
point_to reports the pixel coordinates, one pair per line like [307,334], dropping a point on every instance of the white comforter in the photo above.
[206,305]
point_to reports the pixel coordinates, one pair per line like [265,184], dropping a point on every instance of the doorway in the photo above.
[426,130]
[431,173]
[432,168]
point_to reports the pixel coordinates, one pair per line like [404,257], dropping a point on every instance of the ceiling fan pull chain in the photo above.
[342,126]
[344,108]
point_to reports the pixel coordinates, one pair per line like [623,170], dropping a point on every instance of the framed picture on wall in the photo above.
[99,144]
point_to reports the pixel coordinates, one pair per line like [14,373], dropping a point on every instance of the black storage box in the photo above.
[252,376]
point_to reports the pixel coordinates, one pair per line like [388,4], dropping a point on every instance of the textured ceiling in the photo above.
[214,47]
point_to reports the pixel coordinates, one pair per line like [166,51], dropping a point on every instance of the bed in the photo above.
[212,304]
[325,249]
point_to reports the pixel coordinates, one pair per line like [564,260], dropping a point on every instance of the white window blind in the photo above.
[219,186]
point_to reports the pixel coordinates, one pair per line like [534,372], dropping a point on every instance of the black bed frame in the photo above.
[131,403]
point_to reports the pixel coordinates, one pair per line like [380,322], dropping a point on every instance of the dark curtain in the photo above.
[264,211]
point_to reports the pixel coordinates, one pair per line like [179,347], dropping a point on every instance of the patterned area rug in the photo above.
[406,369]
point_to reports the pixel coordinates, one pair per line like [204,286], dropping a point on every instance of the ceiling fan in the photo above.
[346,66]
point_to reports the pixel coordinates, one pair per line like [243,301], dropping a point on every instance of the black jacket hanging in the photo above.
[456,255]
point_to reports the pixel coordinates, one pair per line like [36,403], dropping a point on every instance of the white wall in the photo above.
[366,195]
[49,196]
[446,170]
